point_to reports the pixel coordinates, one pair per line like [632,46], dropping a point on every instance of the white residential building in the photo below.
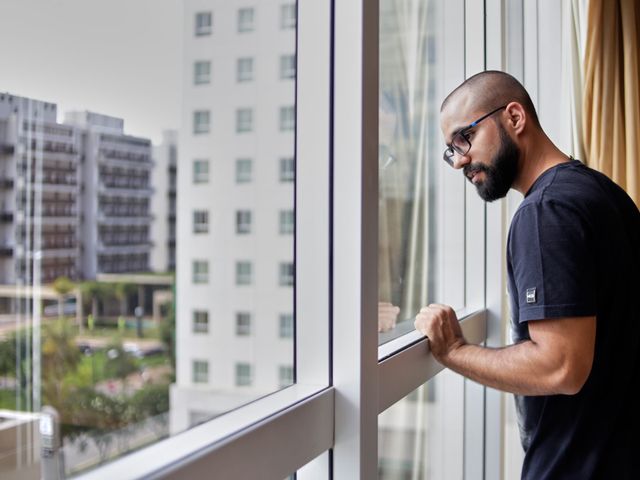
[235,274]
[163,203]
[116,193]
[39,178]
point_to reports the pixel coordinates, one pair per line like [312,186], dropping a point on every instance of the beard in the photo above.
[501,173]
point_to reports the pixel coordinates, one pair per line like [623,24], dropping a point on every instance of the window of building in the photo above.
[246,18]
[200,171]
[288,16]
[201,119]
[200,221]
[287,169]
[287,119]
[200,369]
[243,273]
[244,69]
[204,23]
[287,221]
[244,168]
[200,271]
[243,222]
[285,375]
[201,72]
[286,325]
[243,324]
[286,274]
[244,374]
[200,321]
[244,120]
[287,66]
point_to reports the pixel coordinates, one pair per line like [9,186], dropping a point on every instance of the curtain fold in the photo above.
[611,120]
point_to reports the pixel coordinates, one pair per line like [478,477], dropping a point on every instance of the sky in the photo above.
[116,57]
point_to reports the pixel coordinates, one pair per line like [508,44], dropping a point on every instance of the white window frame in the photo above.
[287,67]
[244,120]
[243,324]
[200,321]
[202,72]
[287,169]
[242,378]
[287,118]
[245,69]
[200,272]
[201,122]
[286,222]
[244,222]
[203,28]
[286,274]
[200,175]
[347,422]
[199,371]
[285,325]
[288,16]
[244,170]
[244,276]
[200,221]
[246,19]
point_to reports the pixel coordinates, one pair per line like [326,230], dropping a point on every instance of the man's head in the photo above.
[484,121]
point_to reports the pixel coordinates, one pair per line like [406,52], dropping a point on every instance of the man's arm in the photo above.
[557,359]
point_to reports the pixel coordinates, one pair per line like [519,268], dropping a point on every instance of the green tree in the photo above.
[122,291]
[60,357]
[120,364]
[63,287]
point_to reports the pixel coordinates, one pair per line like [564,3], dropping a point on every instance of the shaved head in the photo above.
[491,89]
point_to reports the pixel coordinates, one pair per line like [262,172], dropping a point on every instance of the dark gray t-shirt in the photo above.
[573,251]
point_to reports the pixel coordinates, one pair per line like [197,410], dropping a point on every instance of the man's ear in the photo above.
[516,117]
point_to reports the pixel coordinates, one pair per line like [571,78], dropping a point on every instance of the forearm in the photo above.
[522,369]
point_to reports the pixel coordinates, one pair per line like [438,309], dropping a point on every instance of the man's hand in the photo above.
[440,324]
[387,316]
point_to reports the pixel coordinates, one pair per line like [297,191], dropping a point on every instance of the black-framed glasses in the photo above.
[460,142]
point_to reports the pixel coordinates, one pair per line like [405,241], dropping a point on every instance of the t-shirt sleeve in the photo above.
[553,262]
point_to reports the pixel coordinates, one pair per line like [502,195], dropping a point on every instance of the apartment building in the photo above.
[235,273]
[116,179]
[39,180]
[163,203]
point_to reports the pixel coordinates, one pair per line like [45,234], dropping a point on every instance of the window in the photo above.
[286,222]
[200,271]
[201,120]
[200,171]
[287,66]
[200,321]
[204,23]
[288,16]
[286,325]
[243,324]
[200,221]
[287,170]
[201,72]
[287,119]
[243,273]
[243,222]
[200,370]
[244,69]
[285,375]
[243,374]
[286,274]
[243,170]
[244,120]
[245,20]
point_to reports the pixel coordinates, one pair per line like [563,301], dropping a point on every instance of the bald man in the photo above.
[573,268]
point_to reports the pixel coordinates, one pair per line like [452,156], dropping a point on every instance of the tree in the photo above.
[122,291]
[60,356]
[63,286]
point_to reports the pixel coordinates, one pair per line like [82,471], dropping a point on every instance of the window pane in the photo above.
[421,437]
[137,302]
[421,199]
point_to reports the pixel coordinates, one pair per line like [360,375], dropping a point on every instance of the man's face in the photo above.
[500,173]
[491,164]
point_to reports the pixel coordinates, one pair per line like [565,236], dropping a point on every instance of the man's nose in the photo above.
[459,161]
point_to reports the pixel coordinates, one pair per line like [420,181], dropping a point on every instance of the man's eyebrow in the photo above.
[458,130]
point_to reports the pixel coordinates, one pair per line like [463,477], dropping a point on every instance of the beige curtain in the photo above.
[611,121]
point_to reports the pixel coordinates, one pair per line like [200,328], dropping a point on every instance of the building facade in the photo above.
[234,323]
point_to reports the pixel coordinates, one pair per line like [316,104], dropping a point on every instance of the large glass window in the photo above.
[125,285]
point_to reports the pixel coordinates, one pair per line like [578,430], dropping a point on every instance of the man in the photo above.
[573,266]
